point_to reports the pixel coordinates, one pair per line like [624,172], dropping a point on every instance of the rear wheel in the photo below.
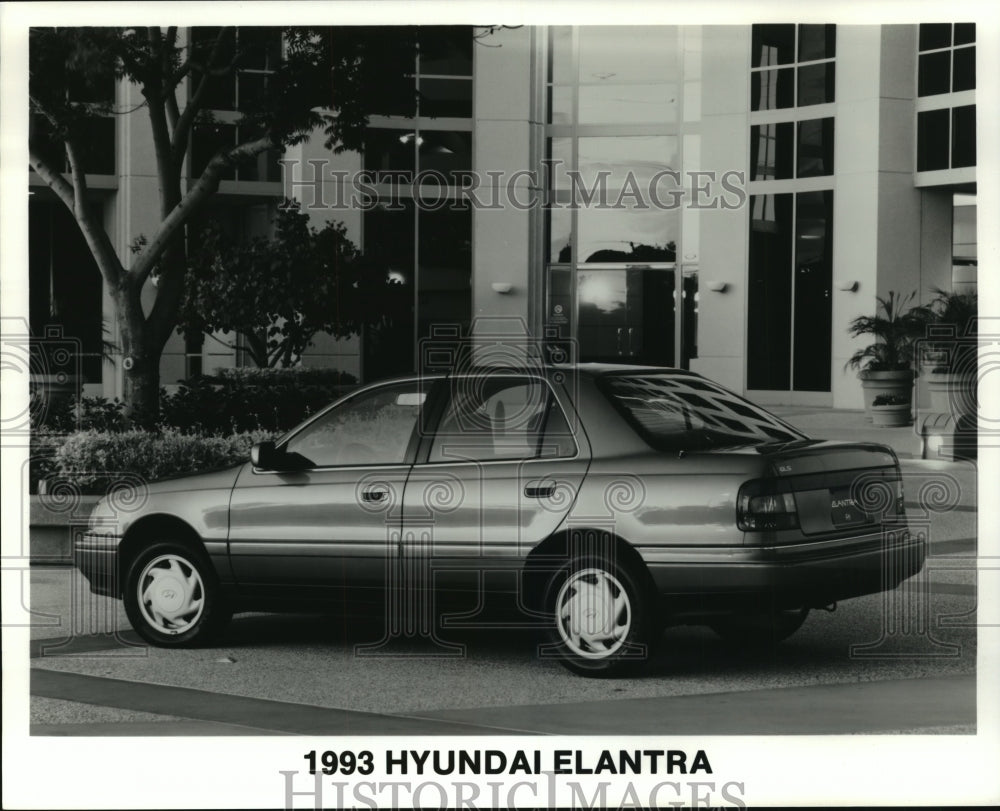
[172,596]
[760,630]
[601,613]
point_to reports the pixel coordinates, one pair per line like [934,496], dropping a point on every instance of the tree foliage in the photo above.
[278,292]
[322,79]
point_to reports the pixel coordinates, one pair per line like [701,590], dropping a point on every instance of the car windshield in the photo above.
[676,412]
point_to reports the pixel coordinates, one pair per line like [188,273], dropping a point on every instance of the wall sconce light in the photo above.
[849,287]
[503,288]
[718,287]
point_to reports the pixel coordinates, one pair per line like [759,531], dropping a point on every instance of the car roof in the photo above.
[592,369]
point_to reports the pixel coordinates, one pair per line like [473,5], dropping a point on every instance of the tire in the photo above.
[601,616]
[760,630]
[172,596]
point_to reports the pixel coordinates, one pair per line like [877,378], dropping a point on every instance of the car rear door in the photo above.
[498,477]
[335,522]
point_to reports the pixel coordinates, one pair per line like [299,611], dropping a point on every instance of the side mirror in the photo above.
[263,455]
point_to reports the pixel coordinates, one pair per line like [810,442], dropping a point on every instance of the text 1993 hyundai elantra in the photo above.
[611,500]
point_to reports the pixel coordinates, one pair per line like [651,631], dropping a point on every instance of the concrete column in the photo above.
[859,192]
[506,137]
[936,215]
[723,234]
[888,235]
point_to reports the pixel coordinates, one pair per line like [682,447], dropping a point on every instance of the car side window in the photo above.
[499,418]
[373,428]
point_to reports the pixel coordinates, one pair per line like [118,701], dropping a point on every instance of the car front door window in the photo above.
[373,428]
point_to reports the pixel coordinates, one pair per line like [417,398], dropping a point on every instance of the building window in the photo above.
[790,267]
[814,148]
[427,248]
[790,281]
[228,97]
[96,144]
[963,136]
[616,124]
[65,293]
[947,62]
[932,140]
[946,82]
[193,359]
[441,76]
[787,150]
[792,66]
[399,154]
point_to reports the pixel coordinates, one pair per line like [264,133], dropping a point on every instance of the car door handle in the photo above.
[374,494]
[542,491]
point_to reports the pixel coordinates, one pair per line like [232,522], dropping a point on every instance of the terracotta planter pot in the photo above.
[891,415]
[899,384]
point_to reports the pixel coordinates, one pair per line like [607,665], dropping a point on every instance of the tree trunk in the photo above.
[142,392]
[140,359]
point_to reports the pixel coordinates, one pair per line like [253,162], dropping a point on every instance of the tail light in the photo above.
[900,499]
[764,504]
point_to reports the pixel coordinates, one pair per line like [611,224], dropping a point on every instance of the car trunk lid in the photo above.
[837,487]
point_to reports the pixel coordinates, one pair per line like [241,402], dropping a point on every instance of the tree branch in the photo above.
[53,179]
[94,233]
[173,113]
[167,79]
[204,188]
[182,128]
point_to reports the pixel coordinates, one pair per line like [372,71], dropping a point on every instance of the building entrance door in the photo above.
[623,314]
[626,315]
[789,324]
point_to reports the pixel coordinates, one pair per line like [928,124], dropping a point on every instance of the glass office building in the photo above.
[719,198]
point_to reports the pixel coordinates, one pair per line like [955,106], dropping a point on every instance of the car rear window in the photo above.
[682,412]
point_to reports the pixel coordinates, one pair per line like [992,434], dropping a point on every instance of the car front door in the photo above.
[499,477]
[329,517]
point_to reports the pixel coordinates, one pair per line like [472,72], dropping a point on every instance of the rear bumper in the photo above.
[96,556]
[813,574]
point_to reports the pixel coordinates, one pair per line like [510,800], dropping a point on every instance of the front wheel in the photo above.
[601,612]
[172,596]
[760,630]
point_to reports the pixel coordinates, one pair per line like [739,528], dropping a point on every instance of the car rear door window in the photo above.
[501,418]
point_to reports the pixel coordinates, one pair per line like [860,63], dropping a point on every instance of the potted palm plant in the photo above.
[885,366]
[949,352]
[889,410]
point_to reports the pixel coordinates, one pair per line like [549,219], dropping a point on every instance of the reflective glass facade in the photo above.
[614,226]
[427,246]
[790,263]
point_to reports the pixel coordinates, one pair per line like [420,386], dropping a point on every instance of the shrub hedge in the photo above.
[93,460]
[234,400]
[66,414]
[208,422]
[239,400]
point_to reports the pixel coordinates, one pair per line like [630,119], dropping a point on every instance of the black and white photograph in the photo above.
[473,405]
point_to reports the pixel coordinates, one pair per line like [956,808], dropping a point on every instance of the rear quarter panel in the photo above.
[656,500]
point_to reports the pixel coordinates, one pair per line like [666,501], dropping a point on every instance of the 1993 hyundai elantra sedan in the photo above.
[612,500]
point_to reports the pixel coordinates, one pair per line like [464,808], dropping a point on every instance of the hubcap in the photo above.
[171,594]
[593,613]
